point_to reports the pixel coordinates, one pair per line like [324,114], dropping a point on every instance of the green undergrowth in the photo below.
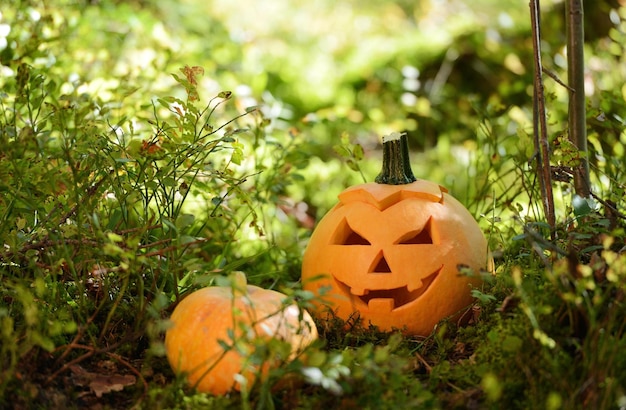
[126,183]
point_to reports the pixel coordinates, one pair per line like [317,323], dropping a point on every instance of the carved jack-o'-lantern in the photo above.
[390,250]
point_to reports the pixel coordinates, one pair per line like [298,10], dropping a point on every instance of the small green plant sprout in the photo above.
[351,153]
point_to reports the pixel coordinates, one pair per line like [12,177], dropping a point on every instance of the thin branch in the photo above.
[576,79]
[557,79]
[611,207]
[540,126]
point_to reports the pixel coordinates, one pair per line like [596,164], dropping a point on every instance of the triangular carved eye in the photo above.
[345,235]
[422,237]
[356,239]
[380,264]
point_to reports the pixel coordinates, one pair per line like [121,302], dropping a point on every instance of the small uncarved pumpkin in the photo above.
[215,329]
[390,251]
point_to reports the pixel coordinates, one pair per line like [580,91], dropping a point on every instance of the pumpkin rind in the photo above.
[207,316]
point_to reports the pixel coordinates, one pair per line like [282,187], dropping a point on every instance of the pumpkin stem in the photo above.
[396,164]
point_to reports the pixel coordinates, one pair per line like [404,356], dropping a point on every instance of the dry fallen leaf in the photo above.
[100,383]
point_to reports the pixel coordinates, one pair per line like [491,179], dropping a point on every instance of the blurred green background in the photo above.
[455,75]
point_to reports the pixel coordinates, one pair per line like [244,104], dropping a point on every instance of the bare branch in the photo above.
[557,79]
[540,127]
[576,79]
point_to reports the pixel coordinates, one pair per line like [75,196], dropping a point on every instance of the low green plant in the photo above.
[107,224]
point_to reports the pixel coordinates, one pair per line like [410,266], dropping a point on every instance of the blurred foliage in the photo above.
[150,148]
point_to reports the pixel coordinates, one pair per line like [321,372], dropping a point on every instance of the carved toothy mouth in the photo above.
[390,299]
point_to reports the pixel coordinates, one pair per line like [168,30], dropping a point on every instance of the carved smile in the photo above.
[390,299]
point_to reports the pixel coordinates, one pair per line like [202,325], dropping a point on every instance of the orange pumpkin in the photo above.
[390,251]
[238,317]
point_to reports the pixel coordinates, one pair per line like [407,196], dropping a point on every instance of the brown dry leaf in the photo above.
[192,73]
[100,383]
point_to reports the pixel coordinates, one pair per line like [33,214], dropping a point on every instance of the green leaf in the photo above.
[231,333]
[129,91]
[342,151]
[44,342]
[483,297]
[582,206]
[225,346]
[169,181]
[184,220]
[20,223]
[178,79]
[352,164]
[163,102]
[357,152]
[185,239]
[113,237]
[345,138]
[237,155]
[235,131]
[169,224]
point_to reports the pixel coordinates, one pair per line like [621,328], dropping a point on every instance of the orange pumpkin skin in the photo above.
[209,314]
[391,253]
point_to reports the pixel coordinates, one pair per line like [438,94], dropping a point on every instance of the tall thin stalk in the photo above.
[576,81]
[540,127]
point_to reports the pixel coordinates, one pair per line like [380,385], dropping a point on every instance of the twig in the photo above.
[90,192]
[557,79]
[132,369]
[576,79]
[90,352]
[540,126]
[162,251]
[44,243]
[535,237]
[424,363]
[139,228]
[612,207]
[77,337]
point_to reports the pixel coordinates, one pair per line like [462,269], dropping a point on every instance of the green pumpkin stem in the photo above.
[396,163]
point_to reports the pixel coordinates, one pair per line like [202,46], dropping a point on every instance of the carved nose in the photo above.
[380,264]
